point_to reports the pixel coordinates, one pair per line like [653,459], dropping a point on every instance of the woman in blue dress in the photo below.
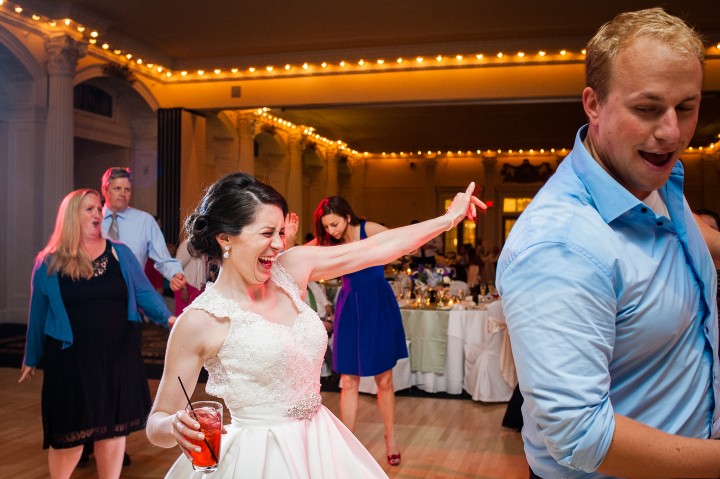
[368,335]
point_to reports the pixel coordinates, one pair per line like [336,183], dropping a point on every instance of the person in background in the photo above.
[261,344]
[156,279]
[711,218]
[134,228]
[426,254]
[83,328]
[316,298]
[197,274]
[607,286]
[139,231]
[488,255]
[474,269]
[368,335]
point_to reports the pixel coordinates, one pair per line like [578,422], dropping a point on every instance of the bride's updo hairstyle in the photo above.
[229,204]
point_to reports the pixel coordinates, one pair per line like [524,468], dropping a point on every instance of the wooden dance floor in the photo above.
[439,438]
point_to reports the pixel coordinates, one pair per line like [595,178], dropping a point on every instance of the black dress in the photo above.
[96,388]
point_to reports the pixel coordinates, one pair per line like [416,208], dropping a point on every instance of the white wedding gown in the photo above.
[268,375]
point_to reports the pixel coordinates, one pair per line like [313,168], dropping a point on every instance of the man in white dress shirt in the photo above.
[135,228]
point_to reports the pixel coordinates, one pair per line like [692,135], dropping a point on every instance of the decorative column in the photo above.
[331,187]
[294,188]
[58,169]
[429,166]
[246,134]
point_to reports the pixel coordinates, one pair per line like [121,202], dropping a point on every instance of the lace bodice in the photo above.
[261,362]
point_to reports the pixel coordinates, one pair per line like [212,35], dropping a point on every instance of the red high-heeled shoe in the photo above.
[394,459]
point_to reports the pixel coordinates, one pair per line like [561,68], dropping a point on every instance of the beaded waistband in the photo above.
[280,413]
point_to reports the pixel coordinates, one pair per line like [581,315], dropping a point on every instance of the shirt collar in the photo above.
[611,199]
[107,212]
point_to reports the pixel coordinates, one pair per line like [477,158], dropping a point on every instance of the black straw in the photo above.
[193,410]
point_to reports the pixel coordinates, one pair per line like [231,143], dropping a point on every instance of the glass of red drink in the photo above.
[210,416]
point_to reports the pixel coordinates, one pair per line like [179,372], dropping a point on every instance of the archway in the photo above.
[23,90]
[115,126]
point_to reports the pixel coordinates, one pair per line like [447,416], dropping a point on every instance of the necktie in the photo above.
[113,230]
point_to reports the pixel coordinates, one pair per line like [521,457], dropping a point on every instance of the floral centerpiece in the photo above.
[430,283]
[437,277]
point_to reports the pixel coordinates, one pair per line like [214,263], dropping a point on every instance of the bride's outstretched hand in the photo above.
[465,205]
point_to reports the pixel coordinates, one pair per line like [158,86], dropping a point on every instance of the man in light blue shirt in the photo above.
[137,229]
[607,285]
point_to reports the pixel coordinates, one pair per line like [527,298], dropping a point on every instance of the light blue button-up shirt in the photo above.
[141,233]
[611,309]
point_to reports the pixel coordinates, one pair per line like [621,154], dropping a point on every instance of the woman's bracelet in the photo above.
[451,215]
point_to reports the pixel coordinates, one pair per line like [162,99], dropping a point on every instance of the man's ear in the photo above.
[591,104]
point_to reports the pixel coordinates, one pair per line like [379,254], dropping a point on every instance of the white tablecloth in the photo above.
[480,333]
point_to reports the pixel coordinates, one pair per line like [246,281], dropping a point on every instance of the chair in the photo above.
[479,382]
[489,372]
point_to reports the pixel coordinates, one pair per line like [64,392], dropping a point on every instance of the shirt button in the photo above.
[659,223]
[643,210]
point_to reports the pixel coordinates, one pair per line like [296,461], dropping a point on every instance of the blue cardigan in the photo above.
[48,316]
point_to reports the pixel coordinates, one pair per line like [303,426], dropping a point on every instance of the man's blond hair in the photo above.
[623,30]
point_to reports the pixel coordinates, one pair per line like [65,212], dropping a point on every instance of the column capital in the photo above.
[295,137]
[246,122]
[63,54]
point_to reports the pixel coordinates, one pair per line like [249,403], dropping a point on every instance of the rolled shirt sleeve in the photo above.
[562,326]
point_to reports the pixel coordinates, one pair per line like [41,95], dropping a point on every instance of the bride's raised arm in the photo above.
[309,263]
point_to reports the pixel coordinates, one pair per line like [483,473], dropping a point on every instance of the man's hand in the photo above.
[178,282]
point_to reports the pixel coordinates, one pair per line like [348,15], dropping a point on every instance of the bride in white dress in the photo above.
[262,346]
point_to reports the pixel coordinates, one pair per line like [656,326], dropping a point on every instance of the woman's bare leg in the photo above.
[109,457]
[386,404]
[349,400]
[62,462]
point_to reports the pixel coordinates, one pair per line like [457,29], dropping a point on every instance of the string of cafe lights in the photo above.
[310,132]
[360,65]
[438,61]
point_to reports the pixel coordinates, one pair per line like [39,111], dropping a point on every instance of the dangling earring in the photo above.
[226,254]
